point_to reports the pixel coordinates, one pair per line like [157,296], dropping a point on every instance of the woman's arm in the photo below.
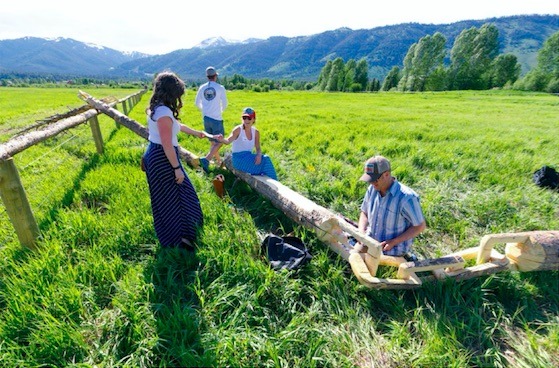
[194,132]
[165,127]
[233,136]
[258,157]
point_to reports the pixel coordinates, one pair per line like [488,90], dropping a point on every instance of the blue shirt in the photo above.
[391,215]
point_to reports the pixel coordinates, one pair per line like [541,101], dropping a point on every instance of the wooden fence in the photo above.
[12,192]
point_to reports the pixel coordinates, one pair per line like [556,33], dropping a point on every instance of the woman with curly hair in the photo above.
[175,205]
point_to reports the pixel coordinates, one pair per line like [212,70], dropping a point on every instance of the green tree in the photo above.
[362,73]
[392,79]
[349,75]
[336,75]
[422,59]
[324,75]
[406,78]
[548,62]
[374,85]
[438,80]
[506,69]
[548,56]
[472,56]
[545,76]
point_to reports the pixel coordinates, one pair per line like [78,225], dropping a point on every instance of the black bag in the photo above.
[285,252]
[546,177]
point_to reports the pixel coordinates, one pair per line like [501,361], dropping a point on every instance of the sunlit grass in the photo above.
[101,292]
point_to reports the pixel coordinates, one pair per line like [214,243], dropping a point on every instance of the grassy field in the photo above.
[101,292]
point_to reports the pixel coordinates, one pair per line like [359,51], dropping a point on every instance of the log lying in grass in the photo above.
[330,228]
[132,124]
[531,251]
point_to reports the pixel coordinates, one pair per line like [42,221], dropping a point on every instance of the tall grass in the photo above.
[101,292]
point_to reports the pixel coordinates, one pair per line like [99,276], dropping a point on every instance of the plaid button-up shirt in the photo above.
[391,215]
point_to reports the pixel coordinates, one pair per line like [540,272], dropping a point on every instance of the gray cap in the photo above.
[210,71]
[374,168]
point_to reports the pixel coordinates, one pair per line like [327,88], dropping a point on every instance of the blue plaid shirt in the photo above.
[391,215]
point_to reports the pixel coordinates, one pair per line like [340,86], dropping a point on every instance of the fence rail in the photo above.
[12,191]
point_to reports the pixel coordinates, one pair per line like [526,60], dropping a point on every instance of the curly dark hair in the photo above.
[168,89]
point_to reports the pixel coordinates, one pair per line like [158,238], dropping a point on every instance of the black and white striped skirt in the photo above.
[176,208]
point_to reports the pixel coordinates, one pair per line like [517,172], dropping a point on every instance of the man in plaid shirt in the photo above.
[390,213]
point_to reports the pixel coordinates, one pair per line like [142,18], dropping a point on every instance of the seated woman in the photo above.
[245,137]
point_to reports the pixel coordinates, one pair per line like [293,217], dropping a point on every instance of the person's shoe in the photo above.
[205,164]
[410,257]
[187,245]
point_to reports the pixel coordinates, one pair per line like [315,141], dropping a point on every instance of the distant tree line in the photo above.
[238,82]
[57,80]
[475,64]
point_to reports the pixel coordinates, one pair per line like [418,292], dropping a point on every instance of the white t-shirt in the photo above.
[161,111]
[242,143]
[211,100]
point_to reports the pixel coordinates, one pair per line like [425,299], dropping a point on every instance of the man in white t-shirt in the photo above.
[211,100]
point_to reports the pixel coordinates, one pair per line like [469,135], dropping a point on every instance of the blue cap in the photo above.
[249,111]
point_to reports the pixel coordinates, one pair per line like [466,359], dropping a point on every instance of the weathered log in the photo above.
[304,211]
[132,124]
[330,228]
[22,142]
[115,114]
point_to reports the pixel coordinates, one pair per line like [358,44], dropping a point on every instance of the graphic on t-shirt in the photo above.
[209,93]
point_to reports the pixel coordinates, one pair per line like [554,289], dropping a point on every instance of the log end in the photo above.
[539,252]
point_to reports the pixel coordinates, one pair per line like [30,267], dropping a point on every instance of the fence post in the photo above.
[125,107]
[17,206]
[116,122]
[96,132]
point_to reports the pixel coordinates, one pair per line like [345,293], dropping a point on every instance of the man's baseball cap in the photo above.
[249,111]
[210,71]
[374,168]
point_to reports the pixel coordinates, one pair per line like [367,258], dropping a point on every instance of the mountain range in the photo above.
[297,58]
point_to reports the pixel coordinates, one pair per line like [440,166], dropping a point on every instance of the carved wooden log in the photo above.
[405,269]
[539,251]
[360,269]
[132,124]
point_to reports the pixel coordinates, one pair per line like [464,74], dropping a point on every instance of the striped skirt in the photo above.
[176,208]
[244,161]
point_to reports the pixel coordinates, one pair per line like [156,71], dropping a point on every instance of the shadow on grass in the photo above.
[265,215]
[172,272]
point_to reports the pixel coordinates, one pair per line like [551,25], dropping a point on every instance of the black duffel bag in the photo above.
[546,177]
[287,252]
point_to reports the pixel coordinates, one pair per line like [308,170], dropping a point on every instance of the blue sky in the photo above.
[149,28]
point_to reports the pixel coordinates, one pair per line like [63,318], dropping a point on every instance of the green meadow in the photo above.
[100,292]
